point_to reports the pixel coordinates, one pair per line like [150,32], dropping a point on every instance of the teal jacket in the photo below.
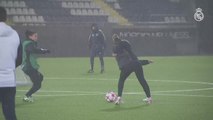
[30,52]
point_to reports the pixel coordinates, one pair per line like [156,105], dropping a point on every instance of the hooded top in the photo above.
[9,44]
[96,38]
[30,51]
[124,54]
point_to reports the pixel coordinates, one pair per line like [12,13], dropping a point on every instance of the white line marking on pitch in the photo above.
[172,95]
[112,79]
[84,93]
[63,95]
[94,92]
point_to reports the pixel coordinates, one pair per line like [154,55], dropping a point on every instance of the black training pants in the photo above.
[36,77]
[133,66]
[7,98]
[93,54]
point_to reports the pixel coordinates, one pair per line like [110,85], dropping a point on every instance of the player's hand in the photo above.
[114,54]
[45,50]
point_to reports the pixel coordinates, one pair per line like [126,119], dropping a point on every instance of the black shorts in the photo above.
[97,52]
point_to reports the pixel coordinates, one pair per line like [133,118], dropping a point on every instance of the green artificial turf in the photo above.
[182,89]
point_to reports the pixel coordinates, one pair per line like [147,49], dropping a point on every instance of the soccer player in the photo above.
[10,58]
[128,63]
[96,46]
[30,64]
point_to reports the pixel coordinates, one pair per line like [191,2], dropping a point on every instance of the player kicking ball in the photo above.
[128,63]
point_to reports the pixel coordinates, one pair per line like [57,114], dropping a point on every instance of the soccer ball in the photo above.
[110,96]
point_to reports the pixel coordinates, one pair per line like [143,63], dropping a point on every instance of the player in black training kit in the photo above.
[128,63]
[96,46]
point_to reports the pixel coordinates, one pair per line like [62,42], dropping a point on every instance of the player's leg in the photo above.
[8,102]
[125,72]
[92,57]
[36,78]
[140,76]
[101,58]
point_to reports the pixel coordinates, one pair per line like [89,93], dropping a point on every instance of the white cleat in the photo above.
[28,99]
[148,100]
[118,101]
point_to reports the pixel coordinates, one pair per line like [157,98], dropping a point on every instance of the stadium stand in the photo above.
[20,13]
[42,12]
[164,11]
[84,9]
[54,11]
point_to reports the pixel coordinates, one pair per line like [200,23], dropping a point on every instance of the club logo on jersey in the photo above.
[95,35]
[198,16]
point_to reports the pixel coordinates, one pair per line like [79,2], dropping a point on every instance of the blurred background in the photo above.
[153,27]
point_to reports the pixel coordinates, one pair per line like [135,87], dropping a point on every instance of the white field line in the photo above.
[157,93]
[171,95]
[72,92]
[187,90]
[94,92]
[62,95]
[86,93]
[113,79]
[184,95]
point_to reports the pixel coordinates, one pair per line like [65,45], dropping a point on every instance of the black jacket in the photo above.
[19,55]
[124,54]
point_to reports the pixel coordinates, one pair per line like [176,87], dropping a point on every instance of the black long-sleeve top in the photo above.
[97,40]
[19,55]
[123,53]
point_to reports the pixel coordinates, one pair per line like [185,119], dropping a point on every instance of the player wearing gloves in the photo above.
[128,63]
[30,65]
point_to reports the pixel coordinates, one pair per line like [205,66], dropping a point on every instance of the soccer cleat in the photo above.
[102,71]
[148,100]
[118,101]
[28,99]
[90,71]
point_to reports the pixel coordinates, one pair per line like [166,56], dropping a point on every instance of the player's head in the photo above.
[116,39]
[31,35]
[94,27]
[3,14]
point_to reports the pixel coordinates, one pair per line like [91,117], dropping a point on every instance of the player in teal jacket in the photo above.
[30,65]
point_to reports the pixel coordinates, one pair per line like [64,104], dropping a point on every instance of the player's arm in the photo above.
[89,42]
[32,49]
[128,48]
[114,52]
[145,62]
[19,55]
[103,38]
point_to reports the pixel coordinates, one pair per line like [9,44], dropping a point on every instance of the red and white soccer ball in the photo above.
[110,96]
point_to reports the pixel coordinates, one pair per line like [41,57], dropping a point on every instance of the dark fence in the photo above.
[64,40]
[162,39]
[68,40]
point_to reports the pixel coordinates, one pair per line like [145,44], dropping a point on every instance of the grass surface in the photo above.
[182,89]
